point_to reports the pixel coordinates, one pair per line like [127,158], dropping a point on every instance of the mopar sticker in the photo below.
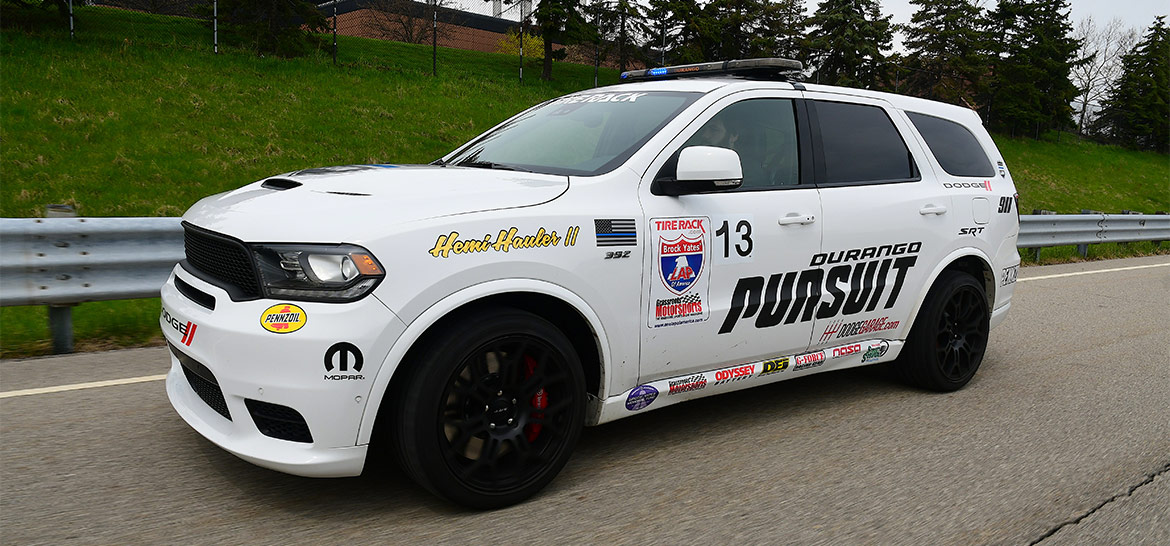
[346,359]
[641,397]
[283,318]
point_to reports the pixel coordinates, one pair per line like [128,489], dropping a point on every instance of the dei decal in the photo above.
[504,241]
[678,288]
[283,318]
[850,281]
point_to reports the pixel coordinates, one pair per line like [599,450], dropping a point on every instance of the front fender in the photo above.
[415,330]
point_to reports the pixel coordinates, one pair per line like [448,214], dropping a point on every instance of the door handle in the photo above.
[794,218]
[932,209]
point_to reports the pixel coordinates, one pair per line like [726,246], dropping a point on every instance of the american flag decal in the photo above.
[611,232]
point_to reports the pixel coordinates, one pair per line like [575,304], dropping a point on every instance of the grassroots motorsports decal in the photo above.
[692,383]
[185,329]
[640,397]
[283,318]
[795,295]
[504,241]
[679,284]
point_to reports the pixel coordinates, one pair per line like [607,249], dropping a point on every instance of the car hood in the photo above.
[342,204]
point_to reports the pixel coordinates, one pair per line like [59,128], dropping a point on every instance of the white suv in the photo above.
[699,230]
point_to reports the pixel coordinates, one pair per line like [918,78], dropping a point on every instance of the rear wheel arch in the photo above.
[969,261]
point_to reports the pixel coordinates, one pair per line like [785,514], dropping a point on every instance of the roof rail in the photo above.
[770,68]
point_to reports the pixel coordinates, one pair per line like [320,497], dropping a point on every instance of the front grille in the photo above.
[278,421]
[222,258]
[203,383]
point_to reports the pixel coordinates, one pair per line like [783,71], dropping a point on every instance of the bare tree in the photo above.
[406,20]
[1103,47]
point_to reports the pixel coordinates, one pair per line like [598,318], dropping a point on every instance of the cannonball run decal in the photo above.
[849,282]
[283,318]
[504,241]
[640,397]
[679,283]
[184,328]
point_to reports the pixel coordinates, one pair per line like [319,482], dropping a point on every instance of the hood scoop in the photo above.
[280,184]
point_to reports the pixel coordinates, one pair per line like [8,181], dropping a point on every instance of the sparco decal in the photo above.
[734,374]
[640,397]
[855,286]
[775,365]
[806,361]
[692,383]
[283,318]
[185,329]
[841,329]
[505,240]
[846,350]
[875,351]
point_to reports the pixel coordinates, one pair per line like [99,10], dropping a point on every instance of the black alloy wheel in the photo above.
[949,336]
[493,411]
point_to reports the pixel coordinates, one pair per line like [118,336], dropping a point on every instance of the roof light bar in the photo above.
[772,66]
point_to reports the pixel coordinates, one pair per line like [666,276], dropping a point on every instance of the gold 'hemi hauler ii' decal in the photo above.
[507,239]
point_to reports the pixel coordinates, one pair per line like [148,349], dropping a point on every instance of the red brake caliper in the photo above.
[539,400]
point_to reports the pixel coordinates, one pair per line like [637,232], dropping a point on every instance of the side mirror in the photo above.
[702,169]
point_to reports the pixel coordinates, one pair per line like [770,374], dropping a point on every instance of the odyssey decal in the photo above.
[775,365]
[283,318]
[185,329]
[875,351]
[734,374]
[680,283]
[692,383]
[798,293]
[806,361]
[640,397]
[841,329]
[505,240]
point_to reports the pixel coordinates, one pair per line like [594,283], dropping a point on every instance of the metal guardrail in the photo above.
[61,262]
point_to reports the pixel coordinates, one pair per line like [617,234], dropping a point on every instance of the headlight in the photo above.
[331,273]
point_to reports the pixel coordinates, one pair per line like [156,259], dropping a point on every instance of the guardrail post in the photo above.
[61,316]
[1041,212]
[1083,249]
[1158,244]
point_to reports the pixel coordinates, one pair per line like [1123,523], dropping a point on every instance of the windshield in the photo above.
[579,134]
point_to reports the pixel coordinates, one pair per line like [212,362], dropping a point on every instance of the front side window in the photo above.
[861,144]
[580,134]
[763,133]
[955,148]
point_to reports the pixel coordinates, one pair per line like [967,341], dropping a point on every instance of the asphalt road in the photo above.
[1063,437]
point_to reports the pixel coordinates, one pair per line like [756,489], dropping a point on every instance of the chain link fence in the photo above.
[356,31]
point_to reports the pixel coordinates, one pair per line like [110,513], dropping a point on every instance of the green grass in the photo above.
[137,117]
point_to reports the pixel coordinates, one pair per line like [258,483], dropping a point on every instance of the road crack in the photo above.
[1148,480]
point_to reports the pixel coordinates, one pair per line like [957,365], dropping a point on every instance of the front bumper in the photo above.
[224,365]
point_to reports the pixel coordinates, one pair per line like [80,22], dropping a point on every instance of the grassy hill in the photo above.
[136,117]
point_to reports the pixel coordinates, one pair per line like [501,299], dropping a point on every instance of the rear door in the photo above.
[885,223]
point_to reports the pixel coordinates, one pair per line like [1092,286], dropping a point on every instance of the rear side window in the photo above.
[861,144]
[955,148]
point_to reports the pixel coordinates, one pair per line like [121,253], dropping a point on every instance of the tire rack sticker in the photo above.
[686,387]
[679,278]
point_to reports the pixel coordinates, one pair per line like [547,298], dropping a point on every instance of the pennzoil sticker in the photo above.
[283,318]
[679,284]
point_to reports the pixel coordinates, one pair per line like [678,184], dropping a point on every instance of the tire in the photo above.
[491,410]
[949,337]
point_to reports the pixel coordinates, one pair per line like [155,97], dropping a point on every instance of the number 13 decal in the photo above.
[742,236]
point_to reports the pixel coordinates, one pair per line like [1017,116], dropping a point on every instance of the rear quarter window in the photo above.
[862,145]
[955,148]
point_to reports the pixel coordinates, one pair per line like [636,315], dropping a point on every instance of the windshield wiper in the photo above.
[489,165]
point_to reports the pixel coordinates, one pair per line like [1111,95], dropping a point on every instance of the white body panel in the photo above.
[451,236]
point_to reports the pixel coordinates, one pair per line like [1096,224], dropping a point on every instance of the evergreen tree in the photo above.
[947,42]
[847,41]
[281,27]
[561,22]
[1032,91]
[1137,112]
[680,25]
